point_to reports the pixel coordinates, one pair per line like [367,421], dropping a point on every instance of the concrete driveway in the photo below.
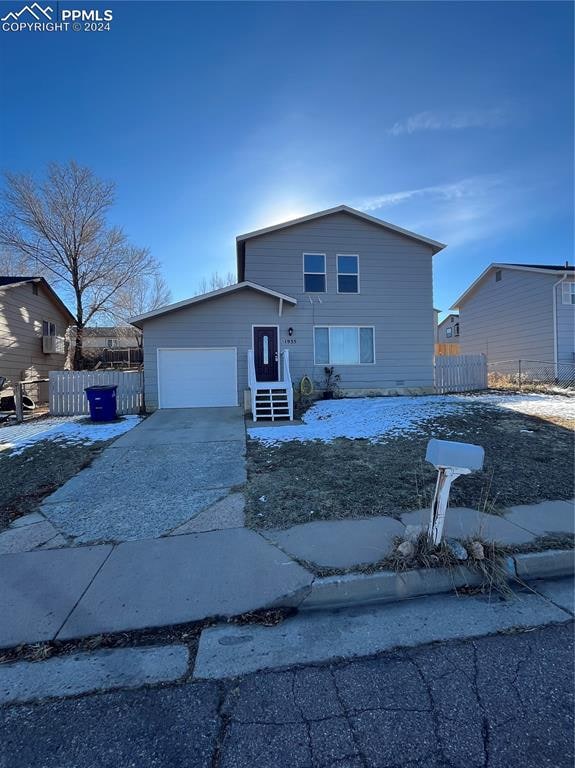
[169,469]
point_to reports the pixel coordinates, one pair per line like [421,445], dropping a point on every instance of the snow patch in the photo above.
[75,430]
[377,418]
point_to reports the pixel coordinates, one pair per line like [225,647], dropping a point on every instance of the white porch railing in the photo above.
[271,399]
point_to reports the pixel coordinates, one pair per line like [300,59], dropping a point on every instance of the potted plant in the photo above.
[331,383]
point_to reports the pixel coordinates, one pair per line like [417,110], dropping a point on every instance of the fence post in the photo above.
[18,407]
[519,361]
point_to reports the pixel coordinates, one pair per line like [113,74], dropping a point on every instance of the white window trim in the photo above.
[304,273]
[49,323]
[357,327]
[348,293]
[567,291]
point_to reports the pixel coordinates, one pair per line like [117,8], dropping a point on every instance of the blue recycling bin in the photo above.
[102,401]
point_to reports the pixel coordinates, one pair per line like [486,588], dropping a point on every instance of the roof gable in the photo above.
[542,269]
[7,282]
[447,317]
[241,239]
[139,319]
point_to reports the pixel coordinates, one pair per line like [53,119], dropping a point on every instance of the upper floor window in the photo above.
[456,329]
[48,328]
[569,293]
[314,273]
[498,275]
[449,332]
[34,289]
[112,343]
[347,273]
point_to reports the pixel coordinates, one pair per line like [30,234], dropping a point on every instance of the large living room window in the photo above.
[344,345]
[347,273]
[314,273]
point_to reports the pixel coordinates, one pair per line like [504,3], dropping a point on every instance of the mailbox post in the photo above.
[451,460]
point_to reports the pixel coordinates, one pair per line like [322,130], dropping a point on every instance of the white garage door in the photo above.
[195,378]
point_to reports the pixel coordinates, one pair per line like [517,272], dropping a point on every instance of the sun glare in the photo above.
[277,214]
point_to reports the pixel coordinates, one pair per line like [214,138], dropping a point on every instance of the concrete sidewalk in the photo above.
[77,592]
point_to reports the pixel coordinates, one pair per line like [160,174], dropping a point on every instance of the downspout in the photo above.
[555,339]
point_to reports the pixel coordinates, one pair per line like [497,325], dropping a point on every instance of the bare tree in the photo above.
[215,281]
[61,224]
[13,264]
[140,295]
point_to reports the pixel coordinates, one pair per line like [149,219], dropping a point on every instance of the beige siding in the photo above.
[511,319]
[101,342]
[21,317]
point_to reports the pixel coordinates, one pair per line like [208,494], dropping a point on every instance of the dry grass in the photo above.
[348,479]
[39,470]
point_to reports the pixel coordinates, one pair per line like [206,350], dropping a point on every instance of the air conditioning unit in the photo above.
[53,345]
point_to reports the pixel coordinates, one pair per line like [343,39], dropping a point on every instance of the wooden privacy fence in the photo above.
[67,396]
[460,373]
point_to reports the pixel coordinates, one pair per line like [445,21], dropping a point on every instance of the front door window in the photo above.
[266,355]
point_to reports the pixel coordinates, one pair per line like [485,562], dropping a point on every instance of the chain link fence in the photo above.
[534,375]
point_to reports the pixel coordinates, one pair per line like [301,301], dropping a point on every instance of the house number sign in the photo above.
[289,341]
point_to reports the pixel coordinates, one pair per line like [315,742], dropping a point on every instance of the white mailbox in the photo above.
[451,459]
[447,453]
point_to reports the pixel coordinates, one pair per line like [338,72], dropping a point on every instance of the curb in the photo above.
[357,589]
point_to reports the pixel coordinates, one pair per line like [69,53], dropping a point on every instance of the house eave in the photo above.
[499,265]
[51,292]
[138,320]
[435,245]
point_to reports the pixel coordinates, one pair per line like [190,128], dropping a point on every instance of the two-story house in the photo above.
[448,330]
[520,312]
[33,324]
[338,288]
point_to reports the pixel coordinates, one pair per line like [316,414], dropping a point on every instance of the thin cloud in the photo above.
[455,213]
[438,121]
[472,187]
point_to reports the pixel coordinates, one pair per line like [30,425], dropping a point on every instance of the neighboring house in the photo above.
[33,325]
[112,345]
[336,288]
[520,312]
[448,331]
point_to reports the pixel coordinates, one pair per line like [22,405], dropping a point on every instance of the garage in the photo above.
[197,377]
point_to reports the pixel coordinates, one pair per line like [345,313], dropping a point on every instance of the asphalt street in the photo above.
[494,702]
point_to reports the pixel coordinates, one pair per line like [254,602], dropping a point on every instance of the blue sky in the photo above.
[451,119]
